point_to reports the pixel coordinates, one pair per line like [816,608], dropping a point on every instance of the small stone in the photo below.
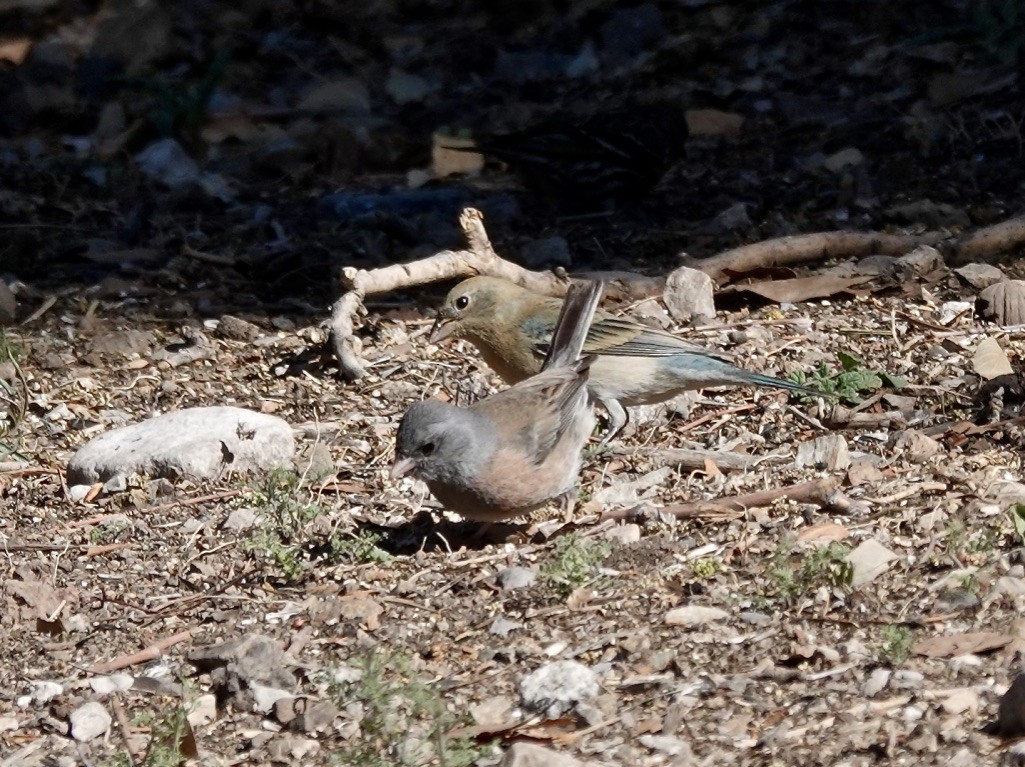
[237,329]
[501,626]
[624,535]
[1008,585]
[556,687]
[79,492]
[692,616]
[512,578]
[241,519]
[317,716]
[980,276]
[921,261]
[203,711]
[689,294]
[165,162]
[870,560]
[285,709]
[845,158]
[533,755]
[265,698]
[88,721]
[905,679]
[876,682]
[8,723]
[106,685]
[829,452]
[667,744]
[44,692]
[961,701]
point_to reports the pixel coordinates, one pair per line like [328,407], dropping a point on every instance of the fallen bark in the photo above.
[807,248]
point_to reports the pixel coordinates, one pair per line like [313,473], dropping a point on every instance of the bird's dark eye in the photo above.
[427,449]
[462,302]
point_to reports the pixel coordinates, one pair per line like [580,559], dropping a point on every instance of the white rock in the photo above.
[88,721]
[667,744]
[8,723]
[624,534]
[829,452]
[694,615]
[165,162]
[688,294]
[512,578]
[105,685]
[556,687]
[532,755]
[203,711]
[876,682]
[241,519]
[870,560]
[265,697]
[199,442]
[845,158]
[79,492]
[44,692]
[961,701]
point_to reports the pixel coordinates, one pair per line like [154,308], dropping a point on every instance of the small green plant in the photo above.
[995,27]
[404,720]
[108,532]
[704,569]
[1017,513]
[120,759]
[792,577]
[851,382]
[895,648]
[362,547]
[283,533]
[574,561]
[171,739]
[180,111]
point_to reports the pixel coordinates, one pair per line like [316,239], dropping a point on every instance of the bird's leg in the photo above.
[618,419]
[569,504]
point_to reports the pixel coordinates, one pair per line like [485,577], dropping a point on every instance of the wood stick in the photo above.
[152,652]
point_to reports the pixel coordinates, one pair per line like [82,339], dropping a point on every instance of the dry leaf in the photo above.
[445,160]
[15,50]
[826,531]
[800,288]
[961,644]
[990,361]
[713,122]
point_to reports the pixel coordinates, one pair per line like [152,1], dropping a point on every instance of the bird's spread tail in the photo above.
[574,321]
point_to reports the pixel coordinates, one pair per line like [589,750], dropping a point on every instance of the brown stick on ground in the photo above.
[448,264]
[152,652]
[806,248]
[822,492]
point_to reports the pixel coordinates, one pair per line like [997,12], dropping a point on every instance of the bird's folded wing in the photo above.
[612,336]
[536,412]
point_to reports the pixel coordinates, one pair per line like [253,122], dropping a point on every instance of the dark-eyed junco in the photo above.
[514,451]
[635,365]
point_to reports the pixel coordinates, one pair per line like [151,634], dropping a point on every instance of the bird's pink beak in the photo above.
[402,467]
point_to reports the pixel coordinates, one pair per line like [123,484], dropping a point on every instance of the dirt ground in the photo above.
[877,623]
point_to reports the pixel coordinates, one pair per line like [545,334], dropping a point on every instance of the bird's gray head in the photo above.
[441,442]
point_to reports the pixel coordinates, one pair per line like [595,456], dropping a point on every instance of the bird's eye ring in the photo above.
[462,302]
